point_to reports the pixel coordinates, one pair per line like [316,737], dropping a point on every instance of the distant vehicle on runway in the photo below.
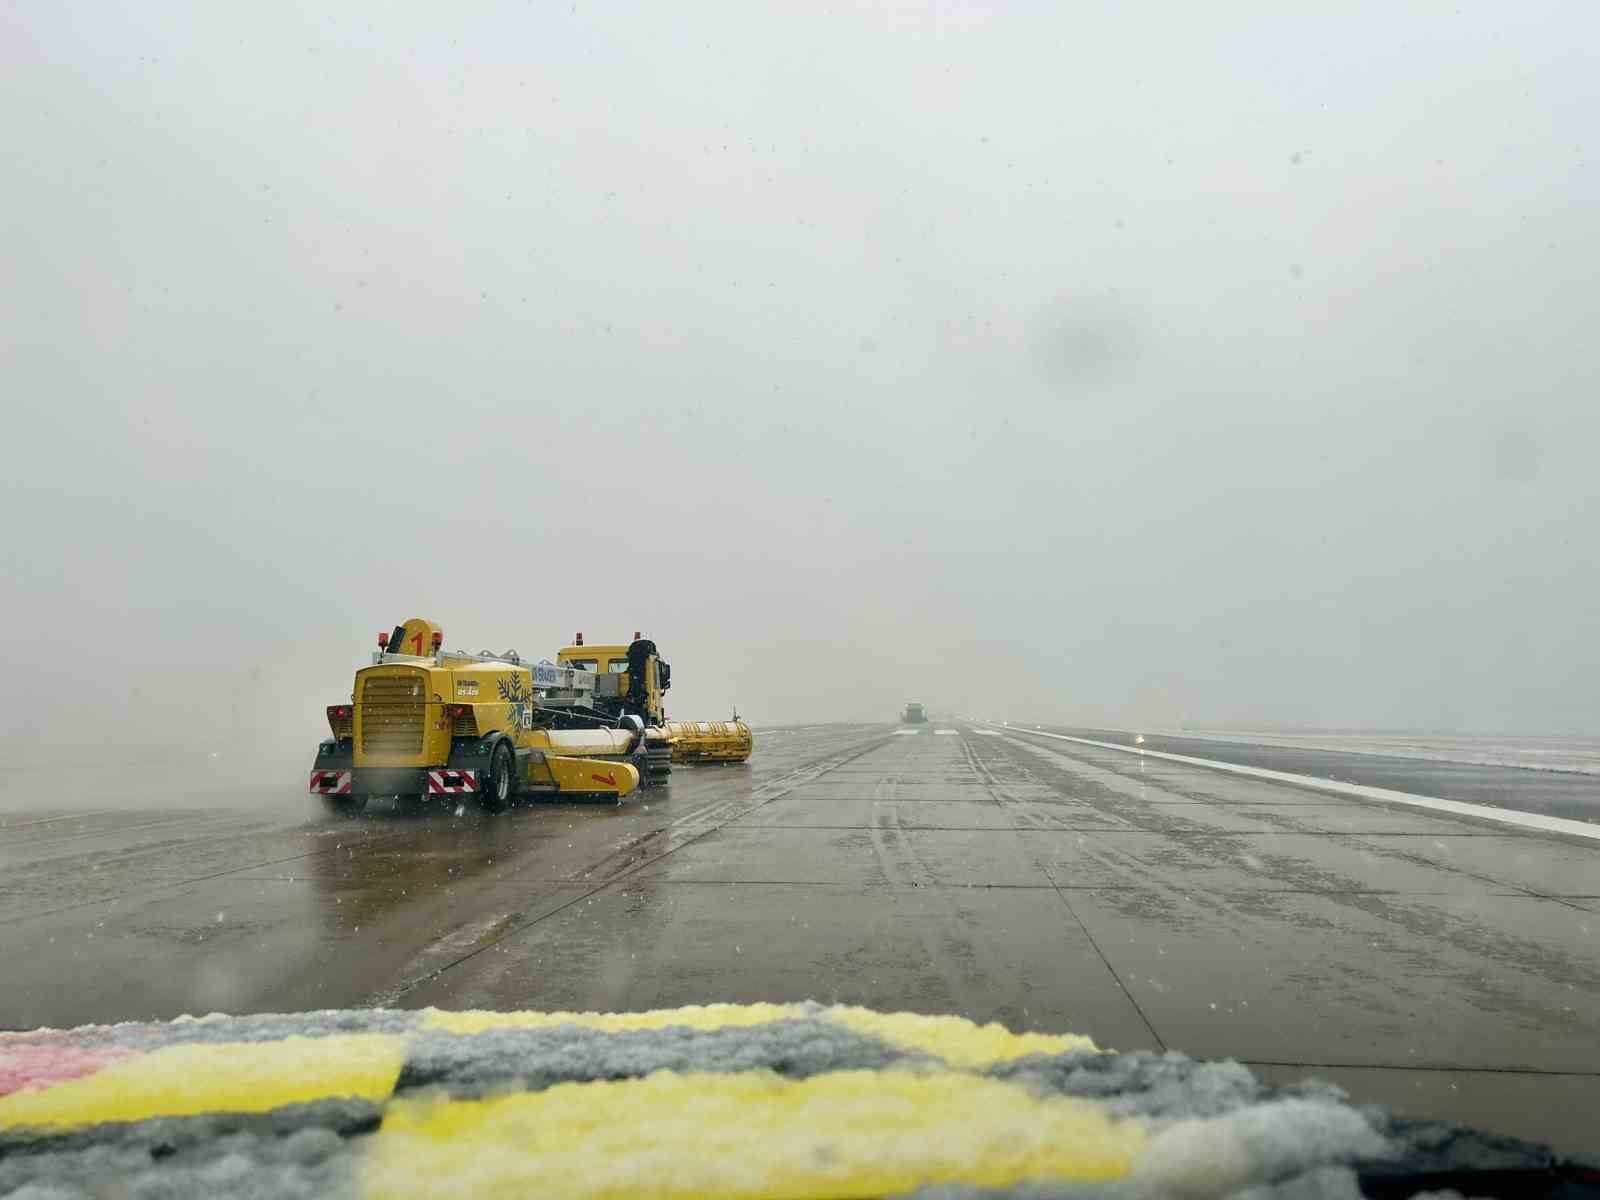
[914,714]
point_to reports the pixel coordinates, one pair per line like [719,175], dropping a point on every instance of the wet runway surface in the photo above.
[1440,965]
[1570,794]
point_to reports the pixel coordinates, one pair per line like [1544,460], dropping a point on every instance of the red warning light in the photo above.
[457,711]
[383,639]
[578,641]
[438,639]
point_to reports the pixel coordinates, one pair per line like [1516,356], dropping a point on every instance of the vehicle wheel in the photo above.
[500,785]
[641,764]
[344,806]
[658,766]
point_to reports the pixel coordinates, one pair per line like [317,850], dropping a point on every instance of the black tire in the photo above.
[654,761]
[344,806]
[501,783]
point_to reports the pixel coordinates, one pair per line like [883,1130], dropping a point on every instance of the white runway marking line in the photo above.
[957,732]
[988,733]
[1504,816]
[912,732]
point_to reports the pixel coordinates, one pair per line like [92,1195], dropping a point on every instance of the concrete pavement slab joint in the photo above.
[392,995]
[1101,954]
[987,779]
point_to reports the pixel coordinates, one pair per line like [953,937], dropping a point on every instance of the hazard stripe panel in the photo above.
[452,783]
[332,783]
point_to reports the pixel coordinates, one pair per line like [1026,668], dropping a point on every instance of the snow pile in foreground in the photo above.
[728,1100]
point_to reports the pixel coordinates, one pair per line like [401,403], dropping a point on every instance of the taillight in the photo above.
[339,722]
[463,720]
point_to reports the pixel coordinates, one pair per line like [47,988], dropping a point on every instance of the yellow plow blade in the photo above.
[594,776]
[710,741]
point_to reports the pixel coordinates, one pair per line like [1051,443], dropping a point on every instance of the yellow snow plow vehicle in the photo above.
[424,721]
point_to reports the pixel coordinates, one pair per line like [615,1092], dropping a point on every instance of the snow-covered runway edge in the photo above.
[1539,822]
[725,1100]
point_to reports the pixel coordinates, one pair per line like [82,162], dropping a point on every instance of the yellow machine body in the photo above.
[433,722]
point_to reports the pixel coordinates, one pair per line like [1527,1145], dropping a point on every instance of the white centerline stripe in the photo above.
[942,731]
[1482,812]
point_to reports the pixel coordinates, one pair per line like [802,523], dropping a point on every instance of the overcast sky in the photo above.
[1128,362]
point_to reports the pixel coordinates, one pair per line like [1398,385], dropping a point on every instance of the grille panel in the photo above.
[393,711]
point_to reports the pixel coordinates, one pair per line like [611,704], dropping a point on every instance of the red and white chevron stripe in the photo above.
[332,783]
[451,783]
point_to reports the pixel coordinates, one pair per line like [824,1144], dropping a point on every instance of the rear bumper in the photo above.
[393,781]
[335,774]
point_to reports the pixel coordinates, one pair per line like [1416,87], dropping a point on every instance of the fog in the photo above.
[1120,362]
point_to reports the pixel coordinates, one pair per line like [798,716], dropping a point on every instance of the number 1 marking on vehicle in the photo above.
[417,638]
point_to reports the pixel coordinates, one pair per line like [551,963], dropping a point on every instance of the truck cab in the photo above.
[630,679]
